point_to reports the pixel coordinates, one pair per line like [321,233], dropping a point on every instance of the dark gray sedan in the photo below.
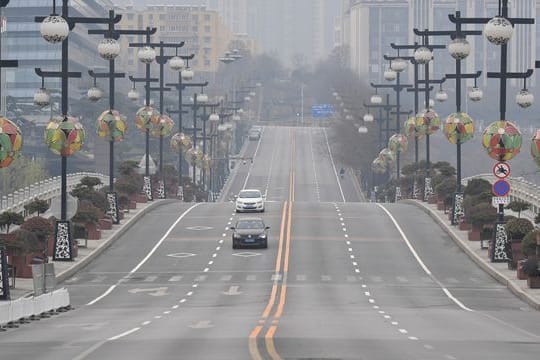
[250,232]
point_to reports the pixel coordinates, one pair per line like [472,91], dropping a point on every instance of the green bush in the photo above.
[482,214]
[518,206]
[445,190]
[516,229]
[37,205]
[9,218]
[528,244]
[531,267]
[477,186]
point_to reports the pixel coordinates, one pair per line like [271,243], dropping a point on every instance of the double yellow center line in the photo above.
[279,289]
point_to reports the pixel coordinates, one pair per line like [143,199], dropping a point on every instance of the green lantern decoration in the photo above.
[64,135]
[427,122]
[112,125]
[502,140]
[378,166]
[10,142]
[535,147]
[398,143]
[180,142]
[409,127]
[163,127]
[194,157]
[387,155]
[458,128]
[146,118]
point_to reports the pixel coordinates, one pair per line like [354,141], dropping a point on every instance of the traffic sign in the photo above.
[322,110]
[501,188]
[501,170]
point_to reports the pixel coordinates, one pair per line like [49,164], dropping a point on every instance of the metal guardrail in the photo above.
[520,189]
[43,190]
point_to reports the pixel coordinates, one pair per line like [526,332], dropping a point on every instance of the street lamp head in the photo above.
[423,55]
[240,111]
[398,65]
[368,118]
[109,48]
[441,96]
[252,93]
[42,97]
[236,54]
[459,48]
[146,55]
[187,74]
[335,94]
[229,126]
[498,30]
[202,98]
[524,98]
[376,99]
[176,63]
[236,117]
[94,94]
[133,94]
[349,117]
[54,29]
[213,117]
[390,75]
[222,127]
[247,99]
[476,94]
[362,130]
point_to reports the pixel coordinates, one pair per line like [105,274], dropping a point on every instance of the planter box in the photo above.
[94,234]
[463,226]
[432,200]
[520,273]
[105,224]
[23,264]
[516,254]
[132,204]
[141,198]
[533,282]
[474,235]
[440,205]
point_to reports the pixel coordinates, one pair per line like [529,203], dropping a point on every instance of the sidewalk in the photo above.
[66,269]
[499,271]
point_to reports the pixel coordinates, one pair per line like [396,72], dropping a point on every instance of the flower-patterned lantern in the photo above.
[112,125]
[146,54]
[524,98]
[535,147]
[498,30]
[387,155]
[10,142]
[180,142]
[194,156]
[378,166]
[42,97]
[458,128]
[109,48]
[54,29]
[398,143]
[428,123]
[390,75]
[64,136]
[476,94]
[146,118]
[502,140]
[423,55]
[409,127]
[163,128]
[459,48]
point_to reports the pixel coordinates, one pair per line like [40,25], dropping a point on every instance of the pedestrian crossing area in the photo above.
[265,277]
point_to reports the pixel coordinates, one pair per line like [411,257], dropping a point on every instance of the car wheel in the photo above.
[234,245]
[265,244]
[262,210]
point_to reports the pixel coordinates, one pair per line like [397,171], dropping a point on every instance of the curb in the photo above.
[123,228]
[497,275]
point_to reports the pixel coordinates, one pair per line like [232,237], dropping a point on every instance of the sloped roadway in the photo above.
[341,279]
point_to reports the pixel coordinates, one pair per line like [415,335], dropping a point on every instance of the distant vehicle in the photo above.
[342,173]
[254,135]
[257,128]
[249,200]
[250,232]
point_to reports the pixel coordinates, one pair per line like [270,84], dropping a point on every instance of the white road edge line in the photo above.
[424,267]
[109,290]
[334,165]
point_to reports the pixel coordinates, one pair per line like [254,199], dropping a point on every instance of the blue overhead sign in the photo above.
[322,110]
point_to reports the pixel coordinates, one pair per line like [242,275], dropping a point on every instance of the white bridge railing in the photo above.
[43,190]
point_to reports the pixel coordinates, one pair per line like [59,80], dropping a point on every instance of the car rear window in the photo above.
[249,194]
[250,224]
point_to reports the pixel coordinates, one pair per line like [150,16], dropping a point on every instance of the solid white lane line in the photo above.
[109,290]
[313,163]
[424,267]
[334,165]
[146,323]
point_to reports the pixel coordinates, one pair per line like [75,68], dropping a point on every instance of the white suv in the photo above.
[250,200]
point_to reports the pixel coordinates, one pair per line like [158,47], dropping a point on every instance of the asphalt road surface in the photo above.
[341,279]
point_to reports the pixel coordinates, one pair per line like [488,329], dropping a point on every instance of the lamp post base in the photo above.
[500,247]
[457,208]
[63,241]
[398,194]
[112,200]
[147,188]
[180,193]
[161,189]
[4,276]
[428,189]
[416,190]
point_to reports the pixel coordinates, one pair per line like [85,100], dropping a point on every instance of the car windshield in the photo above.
[249,194]
[250,224]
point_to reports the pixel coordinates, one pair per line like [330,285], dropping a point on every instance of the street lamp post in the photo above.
[56,29]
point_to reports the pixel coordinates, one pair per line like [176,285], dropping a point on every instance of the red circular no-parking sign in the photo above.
[501,188]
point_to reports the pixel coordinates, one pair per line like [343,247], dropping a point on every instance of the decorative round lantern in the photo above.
[376,99]
[111,125]
[349,117]
[202,98]
[187,74]
[206,161]
[236,117]
[441,96]
[362,130]
[524,98]
[476,94]
[409,127]
[176,63]
[428,123]
[458,128]
[459,48]
[390,75]
[378,166]
[498,30]
[109,48]
[502,140]
[423,55]
[387,155]
[54,29]
[194,156]
[146,54]
[398,143]
[10,142]
[368,118]
[163,128]
[64,136]
[252,93]
[181,142]
[146,118]
[42,97]
[535,147]
[133,94]
[398,65]
[229,125]
[335,94]
[94,94]
[213,117]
